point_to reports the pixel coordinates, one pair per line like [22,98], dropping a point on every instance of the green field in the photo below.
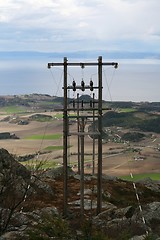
[54,148]
[136,177]
[13,109]
[127,110]
[39,165]
[58,115]
[45,137]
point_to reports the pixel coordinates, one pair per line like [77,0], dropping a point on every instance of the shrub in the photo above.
[51,226]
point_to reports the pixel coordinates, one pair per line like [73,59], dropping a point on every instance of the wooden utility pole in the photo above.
[65,142]
[78,129]
[81,118]
[99,175]
[82,126]
[93,153]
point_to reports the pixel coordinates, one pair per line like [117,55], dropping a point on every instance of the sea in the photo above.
[136,80]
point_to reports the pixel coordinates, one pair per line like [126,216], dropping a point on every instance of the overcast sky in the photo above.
[73,25]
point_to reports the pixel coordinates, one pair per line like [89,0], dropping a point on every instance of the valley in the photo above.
[37,122]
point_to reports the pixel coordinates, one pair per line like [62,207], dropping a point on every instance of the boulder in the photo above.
[151,214]
[151,184]
[8,163]
[21,223]
[40,186]
[142,237]
[14,179]
[57,172]
[118,220]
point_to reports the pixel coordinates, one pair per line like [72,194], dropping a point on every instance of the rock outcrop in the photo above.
[31,206]
[14,178]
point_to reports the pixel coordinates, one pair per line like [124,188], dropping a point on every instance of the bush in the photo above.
[50,226]
[89,232]
[151,237]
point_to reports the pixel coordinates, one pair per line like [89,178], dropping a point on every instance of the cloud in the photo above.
[74,25]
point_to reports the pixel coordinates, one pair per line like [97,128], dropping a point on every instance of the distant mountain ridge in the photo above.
[79,54]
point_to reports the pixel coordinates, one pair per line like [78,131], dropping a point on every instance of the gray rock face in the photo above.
[22,222]
[115,221]
[16,185]
[150,184]
[111,178]
[131,218]
[9,165]
[14,179]
[40,186]
[138,237]
[151,214]
[57,172]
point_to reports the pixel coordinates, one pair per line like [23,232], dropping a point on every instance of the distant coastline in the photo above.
[136,79]
[79,54]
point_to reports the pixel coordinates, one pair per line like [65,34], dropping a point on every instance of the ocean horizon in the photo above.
[135,80]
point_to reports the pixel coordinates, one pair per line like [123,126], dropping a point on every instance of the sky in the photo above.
[74,25]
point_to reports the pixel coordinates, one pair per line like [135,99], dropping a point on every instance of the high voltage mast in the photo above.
[79,106]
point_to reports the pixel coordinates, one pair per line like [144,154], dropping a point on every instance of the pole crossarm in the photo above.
[80,87]
[80,117]
[83,110]
[83,133]
[82,65]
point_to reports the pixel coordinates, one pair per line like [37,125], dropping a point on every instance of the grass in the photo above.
[39,164]
[127,110]
[13,109]
[54,148]
[45,137]
[136,177]
[58,115]
[45,103]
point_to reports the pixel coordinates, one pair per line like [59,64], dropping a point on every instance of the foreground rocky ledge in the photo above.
[31,205]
